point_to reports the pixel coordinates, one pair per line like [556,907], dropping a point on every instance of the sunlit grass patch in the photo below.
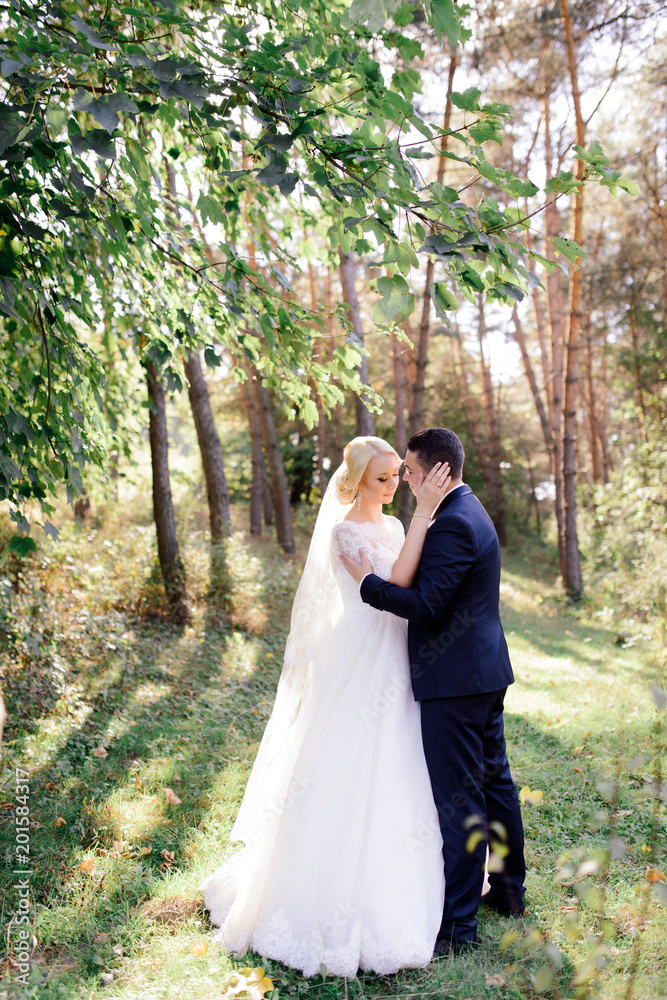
[142,707]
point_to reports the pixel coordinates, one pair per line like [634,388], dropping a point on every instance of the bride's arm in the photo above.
[429,494]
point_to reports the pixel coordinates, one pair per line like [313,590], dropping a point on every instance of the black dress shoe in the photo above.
[501,905]
[452,947]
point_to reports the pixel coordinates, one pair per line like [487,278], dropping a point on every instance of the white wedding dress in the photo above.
[342,865]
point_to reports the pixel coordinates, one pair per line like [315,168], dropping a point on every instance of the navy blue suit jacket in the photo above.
[455,638]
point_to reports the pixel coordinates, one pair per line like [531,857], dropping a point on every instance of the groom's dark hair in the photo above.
[438,444]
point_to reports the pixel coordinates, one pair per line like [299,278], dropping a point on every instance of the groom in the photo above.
[460,671]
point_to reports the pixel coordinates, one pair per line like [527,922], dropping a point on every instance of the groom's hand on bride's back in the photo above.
[357,570]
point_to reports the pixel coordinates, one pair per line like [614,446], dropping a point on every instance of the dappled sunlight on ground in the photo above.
[149,714]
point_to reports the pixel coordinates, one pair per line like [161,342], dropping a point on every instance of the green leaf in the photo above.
[211,209]
[96,140]
[523,189]
[468,100]
[628,185]
[517,218]
[137,158]
[568,248]
[594,154]
[21,546]
[347,355]
[283,142]
[444,19]
[443,299]
[308,413]
[75,479]
[470,277]
[397,301]
[211,358]
[92,36]
[373,13]
[563,182]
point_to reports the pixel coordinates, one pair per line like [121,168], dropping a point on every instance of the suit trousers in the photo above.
[464,745]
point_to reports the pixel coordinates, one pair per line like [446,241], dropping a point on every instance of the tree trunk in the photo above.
[535,502]
[400,440]
[319,351]
[213,465]
[336,441]
[532,381]
[267,496]
[173,572]
[417,407]
[538,313]
[492,419]
[363,414]
[607,464]
[322,426]
[637,373]
[470,413]
[572,576]
[257,459]
[555,311]
[207,436]
[596,464]
[279,490]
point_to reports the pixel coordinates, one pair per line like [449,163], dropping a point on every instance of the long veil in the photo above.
[317,608]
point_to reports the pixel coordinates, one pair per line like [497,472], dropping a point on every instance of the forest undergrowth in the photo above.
[137,738]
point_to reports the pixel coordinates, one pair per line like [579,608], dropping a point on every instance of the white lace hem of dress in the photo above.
[275,939]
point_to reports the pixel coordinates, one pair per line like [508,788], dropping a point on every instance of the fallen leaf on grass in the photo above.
[508,940]
[251,982]
[145,850]
[494,980]
[533,798]
[88,865]
[172,797]
[60,821]
[100,752]
[654,874]
[200,948]
[117,848]
[169,859]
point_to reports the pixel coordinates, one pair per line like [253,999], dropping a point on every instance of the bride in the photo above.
[342,861]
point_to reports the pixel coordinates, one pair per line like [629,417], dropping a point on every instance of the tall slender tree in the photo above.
[348,285]
[171,564]
[571,563]
[217,492]
[257,459]
[278,479]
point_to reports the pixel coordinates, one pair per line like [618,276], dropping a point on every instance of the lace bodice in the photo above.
[381,543]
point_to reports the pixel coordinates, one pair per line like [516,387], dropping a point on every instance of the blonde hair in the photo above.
[357,455]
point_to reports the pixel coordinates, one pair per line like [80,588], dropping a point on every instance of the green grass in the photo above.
[109,705]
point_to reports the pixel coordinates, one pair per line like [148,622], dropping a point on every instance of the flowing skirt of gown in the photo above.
[345,868]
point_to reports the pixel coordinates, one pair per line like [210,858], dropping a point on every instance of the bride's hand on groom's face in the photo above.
[432,488]
[357,570]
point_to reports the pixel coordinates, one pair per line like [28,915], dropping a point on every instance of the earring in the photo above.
[359,500]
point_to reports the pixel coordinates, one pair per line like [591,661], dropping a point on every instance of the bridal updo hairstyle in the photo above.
[358,453]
